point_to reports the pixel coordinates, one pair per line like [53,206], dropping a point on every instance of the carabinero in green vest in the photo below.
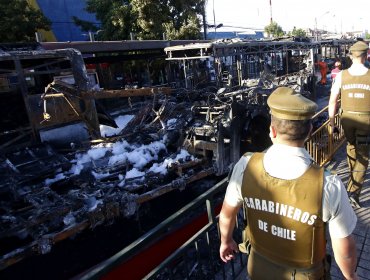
[353,86]
[289,202]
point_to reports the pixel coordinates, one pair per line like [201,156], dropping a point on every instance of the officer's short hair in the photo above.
[292,130]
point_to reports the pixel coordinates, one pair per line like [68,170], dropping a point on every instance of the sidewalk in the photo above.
[362,231]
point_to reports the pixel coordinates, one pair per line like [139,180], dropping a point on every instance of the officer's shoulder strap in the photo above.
[248,154]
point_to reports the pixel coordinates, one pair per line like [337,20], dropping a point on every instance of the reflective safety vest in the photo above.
[285,216]
[355,92]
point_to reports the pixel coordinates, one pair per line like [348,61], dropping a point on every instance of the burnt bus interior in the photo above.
[238,76]
[29,114]
[207,98]
[47,89]
[232,63]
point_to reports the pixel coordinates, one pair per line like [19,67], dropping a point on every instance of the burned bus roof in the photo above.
[227,43]
[227,47]
[116,46]
[33,54]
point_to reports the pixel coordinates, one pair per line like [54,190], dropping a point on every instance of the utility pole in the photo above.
[214,17]
[316,30]
[270,12]
[204,20]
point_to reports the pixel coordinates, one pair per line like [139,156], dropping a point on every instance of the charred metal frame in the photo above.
[212,139]
[220,126]
[241,51]
[56,104]
[30,64]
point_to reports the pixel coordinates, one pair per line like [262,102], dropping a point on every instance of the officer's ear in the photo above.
[309,133]
[273,132]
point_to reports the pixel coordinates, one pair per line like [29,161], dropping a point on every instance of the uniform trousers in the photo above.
[357,132]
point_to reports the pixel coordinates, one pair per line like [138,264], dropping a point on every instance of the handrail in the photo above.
[322,145]
[202,225]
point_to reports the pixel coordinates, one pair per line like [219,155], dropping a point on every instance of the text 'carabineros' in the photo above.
[280,209]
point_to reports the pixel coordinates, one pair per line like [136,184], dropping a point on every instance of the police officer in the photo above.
[289,200]
[354,86]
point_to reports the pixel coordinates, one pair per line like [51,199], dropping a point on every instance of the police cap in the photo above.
[359,48]
[287,104]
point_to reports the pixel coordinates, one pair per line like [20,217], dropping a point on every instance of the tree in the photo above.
[19,21]
[298,32]
[147,19]
[115,16]
[274,30]
[177,19]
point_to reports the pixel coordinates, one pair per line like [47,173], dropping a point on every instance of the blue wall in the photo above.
[60,13]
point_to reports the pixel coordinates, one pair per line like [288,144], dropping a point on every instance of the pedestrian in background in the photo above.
[323,67]
[336,70]
[289,200]
[353,84]
[347,61]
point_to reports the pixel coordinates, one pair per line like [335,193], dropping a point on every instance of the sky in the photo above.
[330,15]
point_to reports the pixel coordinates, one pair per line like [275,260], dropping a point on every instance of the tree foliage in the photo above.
[147,19]
[19,21]
[298,32]
[274,30]
[85,25]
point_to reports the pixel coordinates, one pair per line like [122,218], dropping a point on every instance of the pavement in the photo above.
[362,230]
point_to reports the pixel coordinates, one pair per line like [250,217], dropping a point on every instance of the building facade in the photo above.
[61,13]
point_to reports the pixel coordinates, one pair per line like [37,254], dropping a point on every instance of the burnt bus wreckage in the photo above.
[60,176]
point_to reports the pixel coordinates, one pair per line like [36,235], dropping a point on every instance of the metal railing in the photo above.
[197,257]
[322,145]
